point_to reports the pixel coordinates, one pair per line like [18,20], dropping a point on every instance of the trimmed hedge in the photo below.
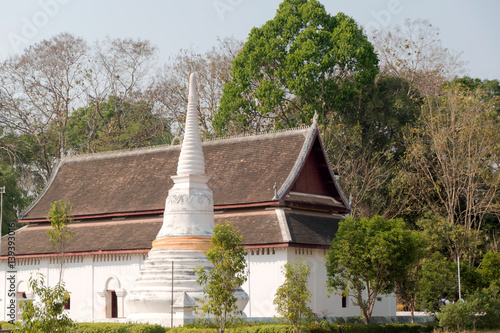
[376,328]
[7,325]
[321,327]
[115,328]
[247,328]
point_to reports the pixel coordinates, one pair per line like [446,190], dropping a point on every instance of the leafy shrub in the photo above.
[482,309]
[46,312]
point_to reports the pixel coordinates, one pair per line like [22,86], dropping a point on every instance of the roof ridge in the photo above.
[146,149]
[272,131]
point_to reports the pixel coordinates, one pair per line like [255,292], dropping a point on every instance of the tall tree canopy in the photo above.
[304,60]
[39,89]
[452,159]
[415,52]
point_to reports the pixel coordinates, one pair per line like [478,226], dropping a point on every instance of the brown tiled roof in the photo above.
[312,229]
[243,170]
[257,227]
[89,236]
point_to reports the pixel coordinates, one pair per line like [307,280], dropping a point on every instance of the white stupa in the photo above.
[182,241]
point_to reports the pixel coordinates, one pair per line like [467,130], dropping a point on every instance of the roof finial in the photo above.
[315,119]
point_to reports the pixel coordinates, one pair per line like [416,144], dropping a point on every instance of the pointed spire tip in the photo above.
[193,89]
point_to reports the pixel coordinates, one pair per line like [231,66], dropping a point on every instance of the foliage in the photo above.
[365,146]
[6,325]
[471,279]
[302,61]
[490,268]
[369,254]
[491,88]
[46,312]
[12,198]
[436,276]
[115,328]
[293,295]
[39,88]
[481,309]
[446,237]
[116,124]
[450,162]
[59,217]
[227,275]
[24,154]
[372,328]
[415,52]
[407,283]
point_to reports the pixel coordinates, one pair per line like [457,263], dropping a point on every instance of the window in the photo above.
[114,304]
[67,304]
[344,301]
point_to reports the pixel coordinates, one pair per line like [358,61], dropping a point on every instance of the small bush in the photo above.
[481,310]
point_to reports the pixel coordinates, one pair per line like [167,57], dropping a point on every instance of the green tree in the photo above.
[59,217]
[46,312]
[369,254]
[302,61]
[227,275]
[292,296]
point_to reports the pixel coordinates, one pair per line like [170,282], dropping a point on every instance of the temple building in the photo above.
[277,188]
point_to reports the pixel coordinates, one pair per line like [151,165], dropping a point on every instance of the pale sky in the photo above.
[471,27]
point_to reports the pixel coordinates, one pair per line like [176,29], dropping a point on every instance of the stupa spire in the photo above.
[181,243]
[191,161]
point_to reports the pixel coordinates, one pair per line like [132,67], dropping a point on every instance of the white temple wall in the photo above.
[114,273]
[91,278]
[265,277]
